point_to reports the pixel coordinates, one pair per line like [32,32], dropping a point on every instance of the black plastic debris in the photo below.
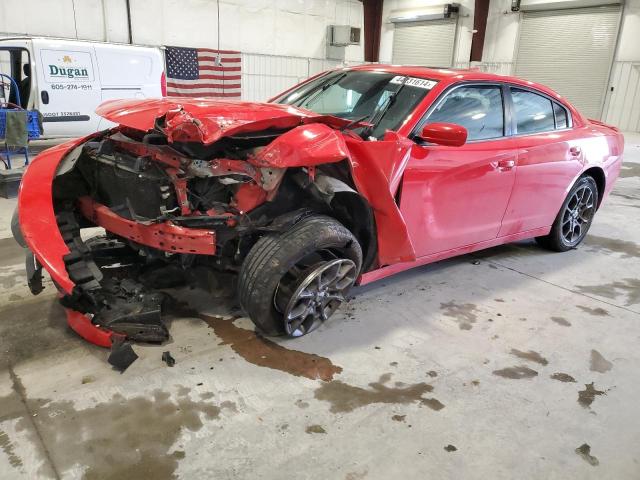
[122,355]
[168,359]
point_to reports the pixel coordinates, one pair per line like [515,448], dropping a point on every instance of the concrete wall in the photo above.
[282,27]
[392,8]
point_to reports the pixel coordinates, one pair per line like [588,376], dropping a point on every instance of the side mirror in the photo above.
[440,133]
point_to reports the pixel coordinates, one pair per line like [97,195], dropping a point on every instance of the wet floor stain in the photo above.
[596,312]
[7,447]
[315,429]
[530,355]
[34,328]
[624,247]
[584,451]
[450,448]
[627,286]
[345,398]
[433,404]
[561,321]
[588,395]
[398,418]
[359,475]
[466,314]
[598,363]
[266,353]
[630,169]
[563,377]
[122,437]
[516,373]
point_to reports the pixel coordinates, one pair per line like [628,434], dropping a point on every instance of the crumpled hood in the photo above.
[206,121]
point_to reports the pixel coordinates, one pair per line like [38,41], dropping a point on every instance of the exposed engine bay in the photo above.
[170,206]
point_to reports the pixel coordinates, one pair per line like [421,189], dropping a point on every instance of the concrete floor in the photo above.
[511,363]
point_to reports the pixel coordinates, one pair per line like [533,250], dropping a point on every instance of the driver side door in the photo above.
[453,197]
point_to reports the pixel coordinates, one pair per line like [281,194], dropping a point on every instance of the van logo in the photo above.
[66,66]
[67,72]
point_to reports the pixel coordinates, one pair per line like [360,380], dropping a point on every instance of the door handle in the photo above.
[575,151]
[44,96]
[506,165]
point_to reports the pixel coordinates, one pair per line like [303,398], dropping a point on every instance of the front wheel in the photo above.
[575,217]
[290,283]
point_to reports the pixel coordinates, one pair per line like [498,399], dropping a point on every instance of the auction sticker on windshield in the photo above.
[414,82]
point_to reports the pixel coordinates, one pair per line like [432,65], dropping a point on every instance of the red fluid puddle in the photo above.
[265,353]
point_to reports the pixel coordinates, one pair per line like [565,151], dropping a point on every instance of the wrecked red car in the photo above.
[349,177]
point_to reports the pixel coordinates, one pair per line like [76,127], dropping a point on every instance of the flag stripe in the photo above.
[218,77]
[203,85]
[212,58]
[211,67]
[203,95]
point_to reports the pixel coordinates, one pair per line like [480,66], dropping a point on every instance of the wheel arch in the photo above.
[352,210]
[598,176]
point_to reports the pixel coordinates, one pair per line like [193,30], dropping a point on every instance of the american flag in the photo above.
[195,72]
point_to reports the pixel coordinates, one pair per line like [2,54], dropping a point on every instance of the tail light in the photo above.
[163,84]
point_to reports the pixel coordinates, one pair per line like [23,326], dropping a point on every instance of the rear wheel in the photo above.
[575,217]
[292,282]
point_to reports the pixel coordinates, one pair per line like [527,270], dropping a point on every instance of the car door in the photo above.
[549,158]
[456,196]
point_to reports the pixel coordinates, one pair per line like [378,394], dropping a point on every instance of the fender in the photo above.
[304,146]
[377,169]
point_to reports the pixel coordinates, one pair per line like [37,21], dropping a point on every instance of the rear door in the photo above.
[549,158]
[456,196]
[69,87]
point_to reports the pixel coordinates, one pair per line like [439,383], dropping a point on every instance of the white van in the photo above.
[67,79]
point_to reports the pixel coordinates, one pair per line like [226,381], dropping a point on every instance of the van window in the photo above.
[534,112]
[15,63]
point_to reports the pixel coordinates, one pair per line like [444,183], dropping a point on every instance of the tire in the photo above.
[287,257]
[572,224]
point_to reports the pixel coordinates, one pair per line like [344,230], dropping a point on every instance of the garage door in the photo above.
[570,51]
[424,43]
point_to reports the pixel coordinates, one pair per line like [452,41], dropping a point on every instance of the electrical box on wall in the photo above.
[343,35]
[338,38]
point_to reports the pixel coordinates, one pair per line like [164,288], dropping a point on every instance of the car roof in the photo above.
[451,75]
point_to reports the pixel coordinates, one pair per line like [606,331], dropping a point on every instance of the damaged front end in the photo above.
[182,188]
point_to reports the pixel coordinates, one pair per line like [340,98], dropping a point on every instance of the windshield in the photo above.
[386,99]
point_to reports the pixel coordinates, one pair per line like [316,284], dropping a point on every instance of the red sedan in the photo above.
[349,177]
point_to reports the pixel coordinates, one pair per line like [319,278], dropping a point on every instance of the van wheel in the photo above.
[575,217]
[292,282]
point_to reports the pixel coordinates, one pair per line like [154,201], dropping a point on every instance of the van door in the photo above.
[128,72]
[69,87]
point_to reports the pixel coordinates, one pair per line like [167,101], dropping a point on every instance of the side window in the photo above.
[560,114]
[533,112]
[477,108]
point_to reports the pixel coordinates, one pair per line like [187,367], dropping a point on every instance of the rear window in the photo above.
[561,116]
[534,113]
